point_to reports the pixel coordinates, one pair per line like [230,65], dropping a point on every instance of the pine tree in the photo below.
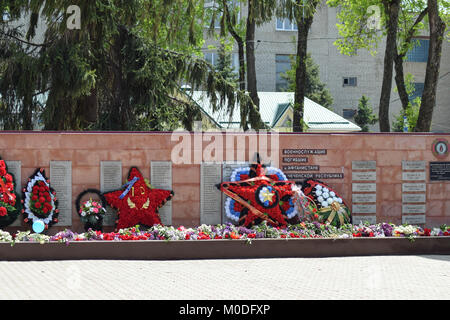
[365,116]
[315,89]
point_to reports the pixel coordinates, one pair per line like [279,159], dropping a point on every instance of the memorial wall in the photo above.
[398,178]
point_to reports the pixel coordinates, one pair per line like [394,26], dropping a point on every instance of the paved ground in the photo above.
[382,277]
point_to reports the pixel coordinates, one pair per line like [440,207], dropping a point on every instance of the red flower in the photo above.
[283,236]
[45,210]
[2,171]
[37,205]
[9,178]
[2,163]
[41,199]
[251,235]
[446,233]
[3,211]
[187,237]
[34,198]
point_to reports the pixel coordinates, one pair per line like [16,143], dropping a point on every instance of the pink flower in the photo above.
[95,210]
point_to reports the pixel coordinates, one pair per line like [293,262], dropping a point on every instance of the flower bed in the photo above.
[305,230]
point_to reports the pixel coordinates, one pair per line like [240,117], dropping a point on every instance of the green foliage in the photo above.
[315,89]
[224,63]
[122,71]
[364,116]
[411,113]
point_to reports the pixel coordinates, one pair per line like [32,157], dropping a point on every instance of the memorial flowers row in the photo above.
[305,230]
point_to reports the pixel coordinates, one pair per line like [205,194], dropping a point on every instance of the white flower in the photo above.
[325,195]
[318,187]
[330,200]
[332,194]
[318,192]
[339,200]
[325,190]
[324,204]
[320,199]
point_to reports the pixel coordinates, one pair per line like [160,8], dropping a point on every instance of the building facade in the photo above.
[347,77]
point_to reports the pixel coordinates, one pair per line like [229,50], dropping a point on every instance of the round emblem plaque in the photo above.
[440,148]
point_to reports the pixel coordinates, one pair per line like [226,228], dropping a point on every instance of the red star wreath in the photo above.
[138,204]
[260,198]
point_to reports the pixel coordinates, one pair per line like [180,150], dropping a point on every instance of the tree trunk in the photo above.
[241,55]
[399,73]
[437,29]
[255,117]
[400,81]
[300,76]
[392,11]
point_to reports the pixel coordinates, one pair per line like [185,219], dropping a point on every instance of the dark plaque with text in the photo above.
[439,171]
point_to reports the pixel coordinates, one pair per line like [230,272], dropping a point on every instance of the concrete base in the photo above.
[223,249]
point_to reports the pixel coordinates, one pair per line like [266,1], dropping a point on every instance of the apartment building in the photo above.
[347,77]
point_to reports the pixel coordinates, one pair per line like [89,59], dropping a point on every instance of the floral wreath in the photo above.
[10,206]
[331,208]
[39,200]
[258,193]
[94,216]
[137,202]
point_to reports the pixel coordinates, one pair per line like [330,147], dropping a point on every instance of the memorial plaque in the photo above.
[364,208]
[161,178]
[15,168]
[414,187]
[227,170]
[61,181]
[439,171]
[413,165]
[364,165]
[416,219]
[364,197]
[295,159]
[414,176]
[110,180]
[414,198]
[301,168]
[364,219]
[364,176]
[210,196]
[414,208]
[364,187]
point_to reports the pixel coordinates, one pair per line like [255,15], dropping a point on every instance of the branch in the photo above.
[411,31]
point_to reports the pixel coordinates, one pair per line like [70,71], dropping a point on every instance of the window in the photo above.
[282,64]
[418,90]
[349,82]
[285,25]
[348,113]
[419,53]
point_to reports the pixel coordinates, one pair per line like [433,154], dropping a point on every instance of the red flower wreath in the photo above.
[138,203]
[260,198]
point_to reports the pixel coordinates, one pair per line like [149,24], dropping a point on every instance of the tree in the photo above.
[303,13]
[121,71]
[399,21]
[315,89]
[259,12]
[437,29]
[364,116]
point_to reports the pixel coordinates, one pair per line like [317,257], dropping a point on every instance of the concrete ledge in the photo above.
[223,249]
